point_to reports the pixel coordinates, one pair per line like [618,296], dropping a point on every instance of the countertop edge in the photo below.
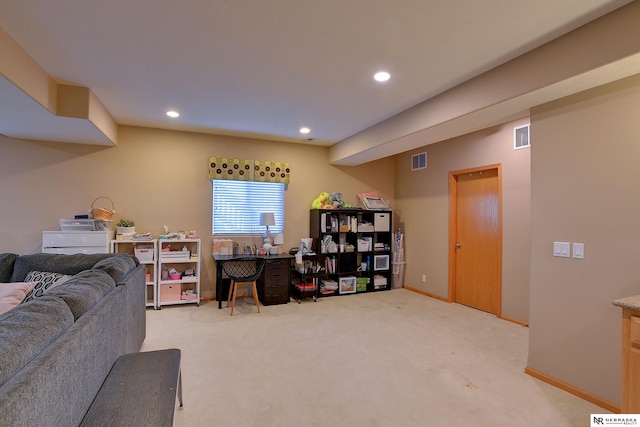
[632,302]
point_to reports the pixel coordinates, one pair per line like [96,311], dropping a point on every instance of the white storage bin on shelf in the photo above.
[145,251]
[382,221]
[175,254]
[179,271]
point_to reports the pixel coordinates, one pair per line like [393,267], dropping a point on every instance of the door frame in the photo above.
[453,228]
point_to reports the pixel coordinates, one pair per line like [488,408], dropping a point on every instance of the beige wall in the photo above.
[585,179]
[583,189]
[422,203]
[158,177]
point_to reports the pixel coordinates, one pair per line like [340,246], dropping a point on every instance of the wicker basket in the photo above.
[102,213]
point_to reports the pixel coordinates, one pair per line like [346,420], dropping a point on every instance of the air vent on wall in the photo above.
[419,161]
[521,137]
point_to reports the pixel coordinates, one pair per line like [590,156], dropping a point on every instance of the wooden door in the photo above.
[475,256]
[630,361]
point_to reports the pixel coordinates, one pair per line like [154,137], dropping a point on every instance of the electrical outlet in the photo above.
[424,278]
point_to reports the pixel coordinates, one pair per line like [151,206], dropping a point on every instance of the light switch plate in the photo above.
[561,249]
[578,250]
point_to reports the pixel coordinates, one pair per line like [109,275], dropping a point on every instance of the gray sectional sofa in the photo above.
[57,349]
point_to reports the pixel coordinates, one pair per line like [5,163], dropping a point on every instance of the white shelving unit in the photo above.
[147,253]
[180,254]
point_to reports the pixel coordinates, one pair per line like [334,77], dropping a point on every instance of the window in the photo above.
[237,206]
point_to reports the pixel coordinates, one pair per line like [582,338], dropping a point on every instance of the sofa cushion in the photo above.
[117,266]
[58,263]
[83,290]
[6,266]
[12,294]
[44,280]
[27,330]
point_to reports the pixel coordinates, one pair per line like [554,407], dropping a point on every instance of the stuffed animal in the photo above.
[321,201]
[337,202]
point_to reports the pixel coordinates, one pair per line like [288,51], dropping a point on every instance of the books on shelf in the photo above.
[379,247]
[330,265]
[328,286]
[349,224]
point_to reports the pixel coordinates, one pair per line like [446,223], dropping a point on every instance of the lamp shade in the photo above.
[267,218]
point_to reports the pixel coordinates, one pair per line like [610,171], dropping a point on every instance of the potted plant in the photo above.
[126,226]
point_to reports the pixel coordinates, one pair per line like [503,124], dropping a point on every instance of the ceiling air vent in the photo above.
[419,161]
[521,137]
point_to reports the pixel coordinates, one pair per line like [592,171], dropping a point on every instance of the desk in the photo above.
[275,275]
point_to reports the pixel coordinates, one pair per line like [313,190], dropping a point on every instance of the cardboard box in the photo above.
[170,292]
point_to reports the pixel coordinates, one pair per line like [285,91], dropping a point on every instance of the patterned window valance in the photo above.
[248,170]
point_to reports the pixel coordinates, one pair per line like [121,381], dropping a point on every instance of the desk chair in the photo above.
[243,271]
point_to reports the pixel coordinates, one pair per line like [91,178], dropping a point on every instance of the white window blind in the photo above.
[237,206]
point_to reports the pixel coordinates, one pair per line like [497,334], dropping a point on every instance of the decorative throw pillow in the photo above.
[11,294]
[44,280]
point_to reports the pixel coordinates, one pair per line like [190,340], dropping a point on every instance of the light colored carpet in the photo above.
[392,358]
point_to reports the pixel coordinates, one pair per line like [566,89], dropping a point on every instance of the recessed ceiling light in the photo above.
[305,130]
[381,76]
[173,114]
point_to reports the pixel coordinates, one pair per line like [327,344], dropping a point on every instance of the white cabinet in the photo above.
[147,253]
[179,272]
[76,242]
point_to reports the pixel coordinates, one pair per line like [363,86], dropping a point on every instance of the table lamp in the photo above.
[267,219]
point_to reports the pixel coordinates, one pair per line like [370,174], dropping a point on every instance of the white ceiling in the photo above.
[262,68]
